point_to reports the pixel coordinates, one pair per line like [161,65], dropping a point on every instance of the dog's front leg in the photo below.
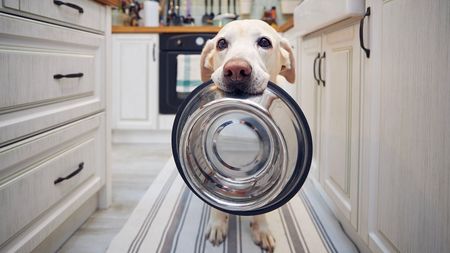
[217,227]
[261,233]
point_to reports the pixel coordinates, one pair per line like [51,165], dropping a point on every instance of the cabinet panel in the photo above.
[32,100]
[339,146]
[337,98]
[310,94]
[53,129]
[19,90]
[330,98]
[91,17]
[32,181]
[11,4]
[135,81]
[412,205]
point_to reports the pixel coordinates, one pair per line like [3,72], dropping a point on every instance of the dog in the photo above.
[244,56]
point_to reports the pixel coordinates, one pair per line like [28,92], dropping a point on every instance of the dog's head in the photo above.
[245,55]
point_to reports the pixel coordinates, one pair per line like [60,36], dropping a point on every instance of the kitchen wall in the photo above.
[198,9]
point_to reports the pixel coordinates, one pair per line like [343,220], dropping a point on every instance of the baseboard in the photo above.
[56,239]
[141,136]
[165,122]
[335,222]
[330,225]
[39,231]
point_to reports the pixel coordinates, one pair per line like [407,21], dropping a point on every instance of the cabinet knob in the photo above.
[71,5]
[75,172]
[74,75]
[314,68]
[320,69]
[361,33]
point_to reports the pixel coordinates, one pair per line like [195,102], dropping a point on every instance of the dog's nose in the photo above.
[237,70]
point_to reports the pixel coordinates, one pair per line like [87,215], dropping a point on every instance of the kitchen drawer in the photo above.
[31,54]
[83,13]
[28,77]
[29,185]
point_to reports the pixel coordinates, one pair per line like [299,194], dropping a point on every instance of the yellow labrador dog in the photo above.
[244,56]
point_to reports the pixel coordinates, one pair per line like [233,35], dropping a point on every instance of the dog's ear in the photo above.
[287,61]
[206,61]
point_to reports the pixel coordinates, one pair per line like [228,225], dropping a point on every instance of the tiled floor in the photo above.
[134,167]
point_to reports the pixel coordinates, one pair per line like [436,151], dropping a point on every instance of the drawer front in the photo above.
[34,185]
[14,4]
[82,13]
[29,77]
[31,54]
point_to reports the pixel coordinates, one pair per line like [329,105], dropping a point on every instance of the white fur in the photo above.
[266,64]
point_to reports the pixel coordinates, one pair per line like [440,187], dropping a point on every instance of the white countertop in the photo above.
[312,15]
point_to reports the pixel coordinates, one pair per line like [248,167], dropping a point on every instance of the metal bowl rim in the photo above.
[308,144]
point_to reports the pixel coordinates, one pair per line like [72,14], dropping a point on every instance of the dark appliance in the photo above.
[171,45]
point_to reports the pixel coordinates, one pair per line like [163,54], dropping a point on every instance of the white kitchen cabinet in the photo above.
[310,88]
[407,116]
[80,14]
[330,98]
[340,110]
[74,153]
[54,122]
[36,101]
[382,124]
[135,81]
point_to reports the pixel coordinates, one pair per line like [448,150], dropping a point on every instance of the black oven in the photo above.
[171,45]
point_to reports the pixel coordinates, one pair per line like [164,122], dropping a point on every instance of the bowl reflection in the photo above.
[243,154]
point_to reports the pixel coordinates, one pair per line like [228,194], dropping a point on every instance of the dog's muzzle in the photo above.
[237,76]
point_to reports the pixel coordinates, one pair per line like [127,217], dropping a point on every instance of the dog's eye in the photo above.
[264,43]
[222,44]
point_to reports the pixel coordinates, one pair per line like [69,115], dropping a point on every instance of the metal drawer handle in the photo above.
[71,5]
[320,69]
[60,179]
[74,75]
[361,33]
[314,69]
[154,52]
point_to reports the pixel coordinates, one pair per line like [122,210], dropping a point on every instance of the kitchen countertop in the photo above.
[108,2]
[165,29]
[184,29]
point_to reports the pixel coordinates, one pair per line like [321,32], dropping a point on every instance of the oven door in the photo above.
[169,98]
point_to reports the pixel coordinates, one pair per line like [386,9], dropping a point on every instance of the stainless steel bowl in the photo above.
[242,154]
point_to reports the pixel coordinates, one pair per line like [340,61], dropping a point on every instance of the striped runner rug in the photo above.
[170,218]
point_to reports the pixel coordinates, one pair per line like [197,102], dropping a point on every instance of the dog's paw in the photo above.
[262,236]
[217,231]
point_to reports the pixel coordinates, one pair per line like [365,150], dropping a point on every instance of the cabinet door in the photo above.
[309,93]
[339,149]
[135,81]
[31,99]
[410,208]
[14,4]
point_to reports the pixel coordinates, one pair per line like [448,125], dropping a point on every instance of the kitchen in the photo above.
[89,95]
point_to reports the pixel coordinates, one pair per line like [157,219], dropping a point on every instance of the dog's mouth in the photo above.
[253,86]
[239,88]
